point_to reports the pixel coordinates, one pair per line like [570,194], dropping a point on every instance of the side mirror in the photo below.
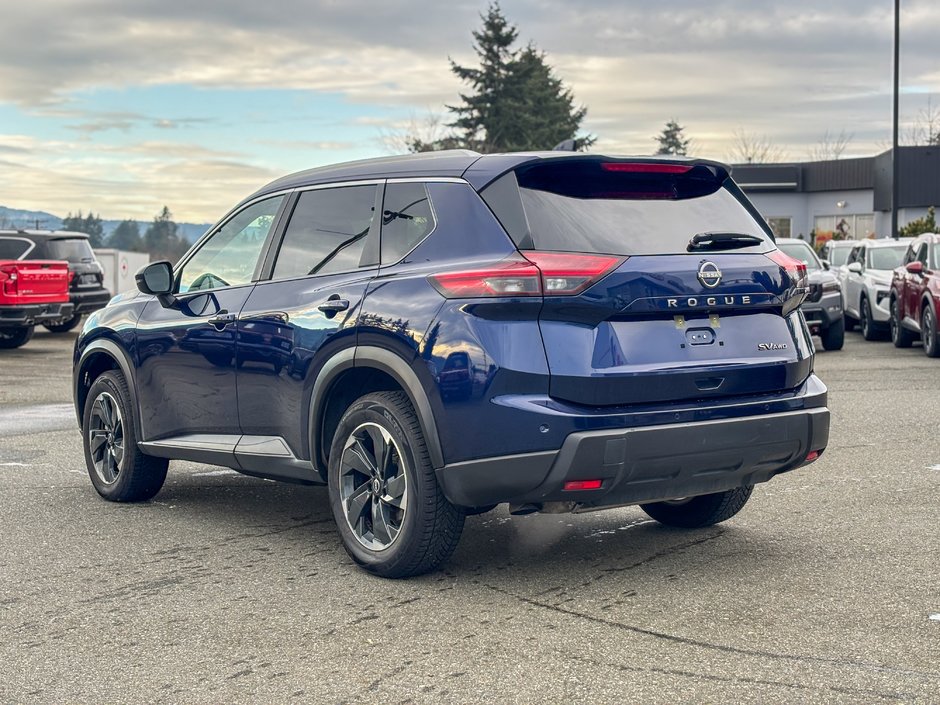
[914,267]
[157,279]
[855,267]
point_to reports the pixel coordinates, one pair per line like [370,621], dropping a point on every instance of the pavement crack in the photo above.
[724,648]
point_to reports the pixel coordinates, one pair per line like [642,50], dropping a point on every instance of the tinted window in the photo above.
[802,252]
[229,257]
[406,220]
[935,248]
[855,255]
[593,206]
[13,248]
[70,249]
[886,257]
[327,231]
[922,254]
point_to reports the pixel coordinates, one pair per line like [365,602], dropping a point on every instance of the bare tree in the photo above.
[420,134]
[926,128]
[831,146]
[750,148]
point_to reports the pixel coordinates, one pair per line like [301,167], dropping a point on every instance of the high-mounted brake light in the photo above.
[796,271]
[539,274]
[646,167]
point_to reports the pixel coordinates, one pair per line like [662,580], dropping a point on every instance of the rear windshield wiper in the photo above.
[722,241]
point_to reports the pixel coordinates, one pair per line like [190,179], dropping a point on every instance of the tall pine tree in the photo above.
[90,224]
[672,140]
[515,102]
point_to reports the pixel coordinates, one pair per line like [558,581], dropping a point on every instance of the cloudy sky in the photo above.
[121,106]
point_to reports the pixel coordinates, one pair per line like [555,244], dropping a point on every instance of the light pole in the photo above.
[895,162]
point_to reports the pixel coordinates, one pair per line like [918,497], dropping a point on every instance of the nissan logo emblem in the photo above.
[709,274]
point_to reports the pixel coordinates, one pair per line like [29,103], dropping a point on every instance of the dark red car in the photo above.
[915,296]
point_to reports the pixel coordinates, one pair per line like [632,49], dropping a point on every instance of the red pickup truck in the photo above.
[31,292]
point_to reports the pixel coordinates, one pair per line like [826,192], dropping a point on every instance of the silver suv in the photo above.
[866,284]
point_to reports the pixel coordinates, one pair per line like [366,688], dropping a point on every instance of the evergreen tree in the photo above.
[126,236]
[515,101]
[672,140]
[90,224]
[927,224]
[162,239]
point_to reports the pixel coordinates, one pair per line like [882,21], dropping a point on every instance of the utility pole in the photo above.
[895,162]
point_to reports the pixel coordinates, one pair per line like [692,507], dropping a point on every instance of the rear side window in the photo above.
[621,208]
[327,232]
[13,248]
[407,219]
[70,249]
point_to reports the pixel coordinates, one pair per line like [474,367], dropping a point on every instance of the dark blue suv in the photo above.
[436,334]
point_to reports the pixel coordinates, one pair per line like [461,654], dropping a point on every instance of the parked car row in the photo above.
[890,287]
[48,278]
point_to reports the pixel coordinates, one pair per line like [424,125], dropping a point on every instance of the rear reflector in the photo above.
[646,167]
[583,485]
[813,455]
[539,274]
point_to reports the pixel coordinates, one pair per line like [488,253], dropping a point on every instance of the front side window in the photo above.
[922,255]
[935,248]
[326,232]
[230,255]
[406,220]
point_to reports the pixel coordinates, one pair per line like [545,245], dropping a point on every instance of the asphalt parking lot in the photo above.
[825,588]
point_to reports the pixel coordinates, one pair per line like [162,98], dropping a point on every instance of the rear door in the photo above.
[697,303]
[306,308]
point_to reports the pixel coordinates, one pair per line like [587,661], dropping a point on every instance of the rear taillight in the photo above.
[8,280]
[796,272]
[538,274]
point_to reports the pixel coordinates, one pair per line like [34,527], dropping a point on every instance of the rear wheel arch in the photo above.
[353,373]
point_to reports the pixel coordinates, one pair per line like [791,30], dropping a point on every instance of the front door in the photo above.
[187,353]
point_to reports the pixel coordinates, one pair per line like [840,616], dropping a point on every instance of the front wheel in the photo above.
[393,519]
[701,511]
[118,470]
[64,325]
[929,332]
[867,324]
[15,337]
[833,337]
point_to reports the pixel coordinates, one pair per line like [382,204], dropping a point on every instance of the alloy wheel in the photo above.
[928,328]
[866,319]
[373,486]
[106,438]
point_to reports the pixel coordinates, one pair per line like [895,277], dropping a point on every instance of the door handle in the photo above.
[279,316]
[221,319]
[333,305]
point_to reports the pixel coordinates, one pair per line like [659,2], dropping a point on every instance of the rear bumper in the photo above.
[648,463]
[31,314]
[88,301]
[823,313]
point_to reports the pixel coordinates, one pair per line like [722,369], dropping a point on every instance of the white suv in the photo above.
[866,284]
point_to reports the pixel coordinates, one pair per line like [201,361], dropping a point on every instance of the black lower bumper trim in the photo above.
[31,314]
[646,464]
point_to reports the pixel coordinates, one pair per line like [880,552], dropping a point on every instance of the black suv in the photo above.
[436,334]
[86,289]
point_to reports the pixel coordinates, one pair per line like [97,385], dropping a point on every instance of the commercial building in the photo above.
[847,196]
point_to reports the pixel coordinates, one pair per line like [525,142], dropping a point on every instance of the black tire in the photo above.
[833,337]
[900,336]
[870,330]
[426,526]
[63,326]
[701,511]
[15,337]
[929,331]
[848,322]
[133,477]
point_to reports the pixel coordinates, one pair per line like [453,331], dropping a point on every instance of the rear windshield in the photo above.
[602,206]
[13,248]
[72,250]
[802,252]
[886,257]
[839,255]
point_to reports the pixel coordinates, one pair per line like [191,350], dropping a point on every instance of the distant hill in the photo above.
[40,220]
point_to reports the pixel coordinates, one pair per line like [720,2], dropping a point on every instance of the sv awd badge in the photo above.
[771,346]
